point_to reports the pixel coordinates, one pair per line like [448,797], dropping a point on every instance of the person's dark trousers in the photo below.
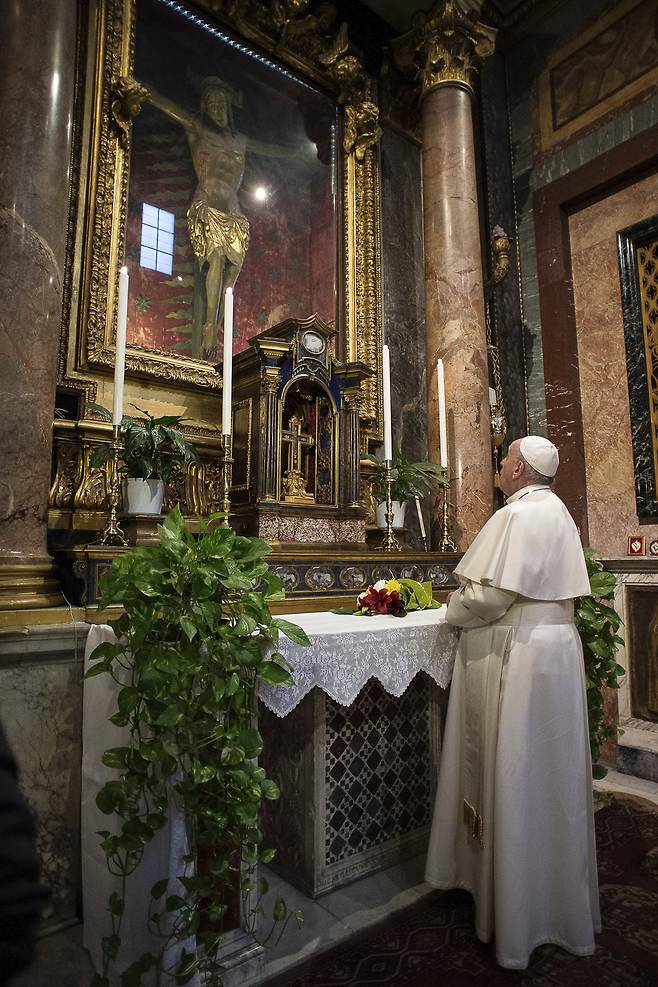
[21,895]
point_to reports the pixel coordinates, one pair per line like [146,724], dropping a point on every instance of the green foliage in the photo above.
[409,479]
[195,636]
[152,446]
[598,623]
[418,596]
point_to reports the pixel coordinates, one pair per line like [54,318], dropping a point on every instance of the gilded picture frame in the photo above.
[314,48]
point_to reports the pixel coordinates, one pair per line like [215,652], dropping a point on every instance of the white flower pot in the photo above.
[398,514]
[144,496]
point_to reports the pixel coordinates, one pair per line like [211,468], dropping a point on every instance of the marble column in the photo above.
[36,112]
[454,307]
[445,49]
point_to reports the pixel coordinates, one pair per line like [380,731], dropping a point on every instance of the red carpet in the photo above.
[432,943]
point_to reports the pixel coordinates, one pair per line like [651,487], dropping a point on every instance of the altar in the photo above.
[353,746]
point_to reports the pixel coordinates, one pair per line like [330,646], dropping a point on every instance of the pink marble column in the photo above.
[36,110]
[454,299]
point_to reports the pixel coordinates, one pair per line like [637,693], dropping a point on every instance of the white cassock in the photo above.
[513,821]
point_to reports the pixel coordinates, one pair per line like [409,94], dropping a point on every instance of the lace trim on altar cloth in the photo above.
[340,662]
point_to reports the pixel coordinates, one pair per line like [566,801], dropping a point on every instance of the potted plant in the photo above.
[152,448]
[409,480]
[195,637]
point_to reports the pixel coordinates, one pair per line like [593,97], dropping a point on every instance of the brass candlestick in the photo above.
[447,545]
[112,533]
[389,541]
[227,474]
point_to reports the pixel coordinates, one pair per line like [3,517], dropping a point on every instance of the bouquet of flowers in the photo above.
[396,597]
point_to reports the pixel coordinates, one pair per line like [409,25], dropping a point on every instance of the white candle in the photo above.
[386,389]
[443,431]
[227,367]
[493,400]
[421,522]
[120,349]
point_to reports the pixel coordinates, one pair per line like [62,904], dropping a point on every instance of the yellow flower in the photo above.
[393,586]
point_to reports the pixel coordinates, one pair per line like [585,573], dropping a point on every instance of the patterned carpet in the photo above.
[432,944]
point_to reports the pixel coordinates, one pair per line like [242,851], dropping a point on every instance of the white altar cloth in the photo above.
[163,856]
[346,652]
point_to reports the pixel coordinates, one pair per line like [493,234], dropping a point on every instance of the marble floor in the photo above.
[62,961]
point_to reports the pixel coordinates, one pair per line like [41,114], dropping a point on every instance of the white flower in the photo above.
[380,584]
[361,597]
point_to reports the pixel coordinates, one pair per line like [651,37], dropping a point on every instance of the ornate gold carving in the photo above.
[362,308]
[445,47]
[271,378]
[68,473]
[294,488]
[91,493]
[127,98]
[362,128]
[176,490]
[195,489]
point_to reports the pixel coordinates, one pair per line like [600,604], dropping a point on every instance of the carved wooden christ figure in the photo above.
[219,233]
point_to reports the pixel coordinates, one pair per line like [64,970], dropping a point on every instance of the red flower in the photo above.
[381,601]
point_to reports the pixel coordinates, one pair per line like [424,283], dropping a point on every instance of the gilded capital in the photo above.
[446,46]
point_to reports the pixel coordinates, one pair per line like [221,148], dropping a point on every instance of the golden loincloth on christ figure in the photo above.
[211,230]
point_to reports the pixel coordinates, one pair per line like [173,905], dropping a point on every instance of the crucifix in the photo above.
[294,482]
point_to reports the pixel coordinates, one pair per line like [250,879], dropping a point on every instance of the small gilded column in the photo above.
[269,430]
[350,451]
[351,377]
[36,114]
[445,49]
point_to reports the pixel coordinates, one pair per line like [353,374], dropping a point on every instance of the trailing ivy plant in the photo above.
[598,623]
[192,642]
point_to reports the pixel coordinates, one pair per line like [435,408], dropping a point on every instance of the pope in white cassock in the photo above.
[513,822]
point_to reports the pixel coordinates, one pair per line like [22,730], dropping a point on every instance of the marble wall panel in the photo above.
[403,300]
[41,710]
[602,359]
[532,170]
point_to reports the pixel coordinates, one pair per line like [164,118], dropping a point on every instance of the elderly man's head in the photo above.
[530,460]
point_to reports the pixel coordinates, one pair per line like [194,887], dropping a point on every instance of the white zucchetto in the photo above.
[541,454]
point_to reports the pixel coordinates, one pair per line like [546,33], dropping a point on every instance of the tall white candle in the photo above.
[386,388]
[443,431]
[227,366]
[120,350]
